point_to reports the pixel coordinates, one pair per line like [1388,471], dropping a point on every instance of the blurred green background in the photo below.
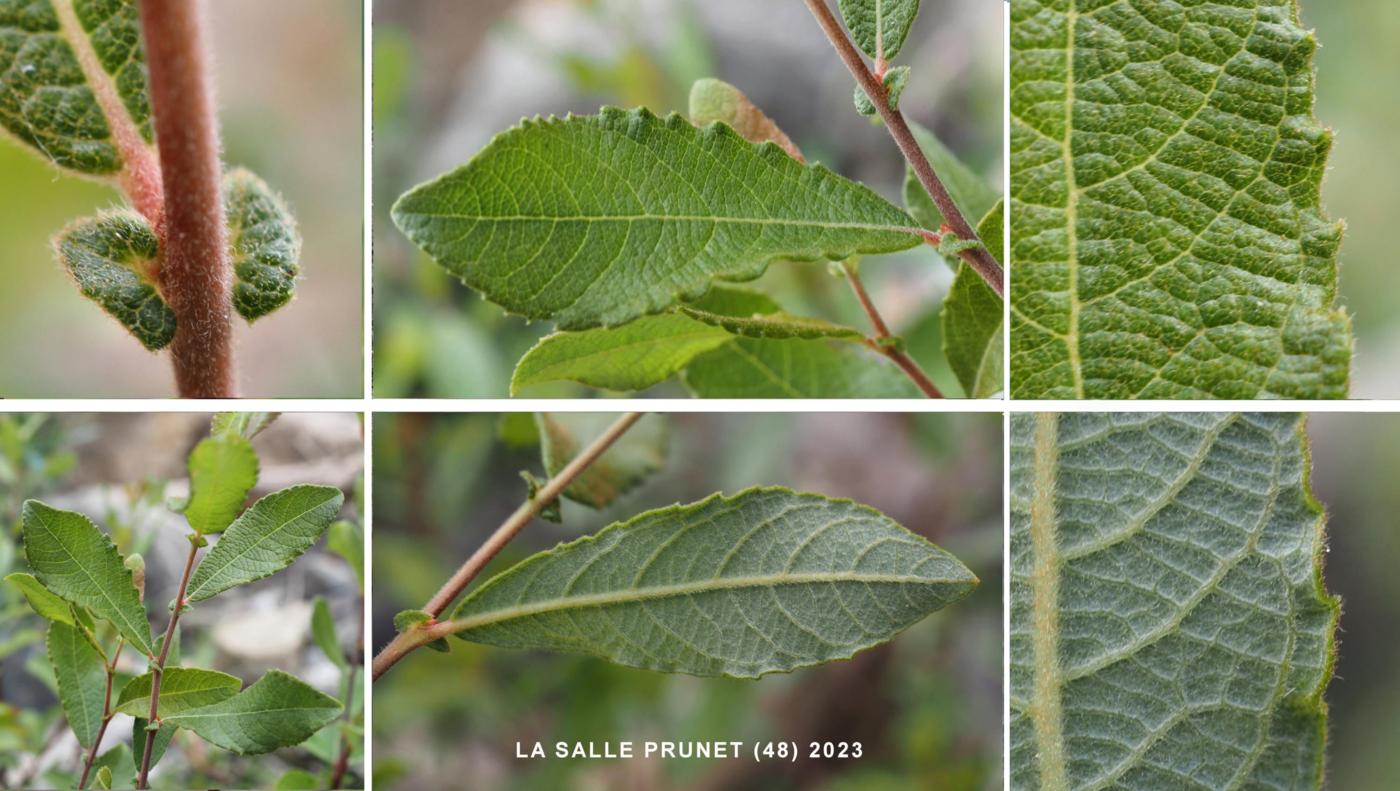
[446,81]
[1355,458]
[927,706]
[288,81]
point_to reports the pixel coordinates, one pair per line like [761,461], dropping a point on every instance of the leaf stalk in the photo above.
[906,363]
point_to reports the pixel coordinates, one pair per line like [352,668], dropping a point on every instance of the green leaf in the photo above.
[114,259]
[73,559]
[972,321]
[773,325]
[120,766]
[266,538]
[346,540]
[104,777]
[714,101]
[1167,234]
[323,632]
[245,424]
[971,193]
[765,581]
[1169,628]
[278,710]
[879,27]
[73,81]
[634,457]
[181,689]
[407,619]
[550,511]
[41,599]
[297,780]
[223,469]
[752,368]
[265,244]
[894,82]
[596,220]
[164,734]
[82,679]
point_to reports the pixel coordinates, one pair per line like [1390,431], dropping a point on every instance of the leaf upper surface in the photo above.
[277,710]
[879,27]
[1167,233]
[82,680]
[223,469]
[265,245]
[634,457]
[181,689]
[266,538]
[596,220]
[73,559]
[323,632]
[1169,628]
[766,581]
[761,368]
[114,259]
[41,599]
[972,319]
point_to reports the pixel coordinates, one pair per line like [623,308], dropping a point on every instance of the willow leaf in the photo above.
[223,469]
[277,710]
[82,679]
[120,766]
[879,27]
[1167,235]
[1169,628]
[757,368]
[323,632]
[41,599]
[593,221]
[73,559]
[766,581]
[972,318]
[634,457]
[265,245]
[714,100]
[970,192]
[266,538]
[73,81]
[114,259]
[181,689]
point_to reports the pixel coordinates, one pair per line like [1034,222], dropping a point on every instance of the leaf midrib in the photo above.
[629,218]
[637,595]
[214,574]
[101,588]
[178,718]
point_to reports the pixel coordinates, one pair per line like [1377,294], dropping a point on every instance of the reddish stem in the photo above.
[194,274]
[107,714]
[159,669]
[882,331]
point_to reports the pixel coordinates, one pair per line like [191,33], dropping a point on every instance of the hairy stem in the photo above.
[194,267]
[882,331]
[107,715]
[410,639]
[159,668]
[978,258]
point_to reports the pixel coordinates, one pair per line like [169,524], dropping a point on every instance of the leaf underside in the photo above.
[73,559]
[266,538]
[82,680]
[1169,628]
[46,100]
[114,259]
[264,242]
[972,320]
[765,581]
[277,710]
[1167,234]
[634,457]
[751,368]
[596,220]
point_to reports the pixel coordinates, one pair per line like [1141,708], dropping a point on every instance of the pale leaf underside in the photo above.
[765,581]
[1169,629]
[597,220]
[634,457]
[1167,237]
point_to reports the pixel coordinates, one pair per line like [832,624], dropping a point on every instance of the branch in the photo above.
[978,258]
[107,715]
[882,331]
[194,267]
[159,667]
[410,639]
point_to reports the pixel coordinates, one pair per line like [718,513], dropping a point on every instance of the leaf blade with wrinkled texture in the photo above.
[181,689]
[264,242]
[879,27]
[277,710]
[972,318]
[114,259]
[266,538]
[1169,628]
[768,580]
[597,220]
[73,559]
[630,460]
[1167,233]
[82,679]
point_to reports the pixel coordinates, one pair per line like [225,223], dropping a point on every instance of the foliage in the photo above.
[1201,533]
[1167,229]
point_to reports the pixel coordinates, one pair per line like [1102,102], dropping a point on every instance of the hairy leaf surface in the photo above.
[634,457]
[1169,629]
[277,710]
[73,559]
[73,80]
[596,220]
[1167,234]
[265,245]
[82,679]
[972,320]
[223,469]
[879,27]
[766,581]
[181,689]
[266,538]
[114,259]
